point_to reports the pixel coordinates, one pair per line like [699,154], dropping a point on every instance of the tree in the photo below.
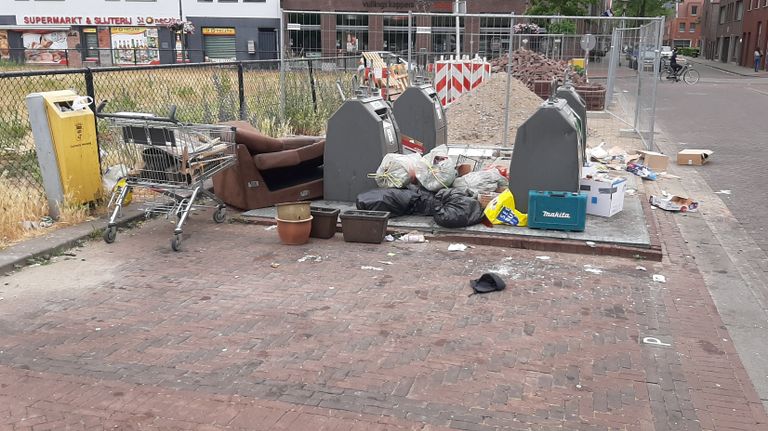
[560,7]
[641,8]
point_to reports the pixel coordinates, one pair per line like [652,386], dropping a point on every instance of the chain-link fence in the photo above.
[204,93]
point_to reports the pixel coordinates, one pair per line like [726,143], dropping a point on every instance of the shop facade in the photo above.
[76,33]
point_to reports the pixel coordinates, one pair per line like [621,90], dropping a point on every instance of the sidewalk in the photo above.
[729,67]
[239,332]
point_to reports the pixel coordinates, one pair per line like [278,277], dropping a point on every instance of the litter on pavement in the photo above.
[457,247]
[659,278]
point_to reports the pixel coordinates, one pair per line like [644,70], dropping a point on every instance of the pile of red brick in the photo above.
[529,66]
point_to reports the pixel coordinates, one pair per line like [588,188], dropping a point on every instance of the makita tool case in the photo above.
[557,210]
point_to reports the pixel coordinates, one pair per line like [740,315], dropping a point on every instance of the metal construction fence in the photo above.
[298,94]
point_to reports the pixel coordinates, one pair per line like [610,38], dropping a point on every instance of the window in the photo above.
[692,27]
[751,4]
[739,10]
[681,29]
[205,1]
[254,1]
[228,1]
[722,15]
[694,10]
[352,20]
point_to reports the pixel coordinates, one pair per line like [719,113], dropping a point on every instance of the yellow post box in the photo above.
[65,141]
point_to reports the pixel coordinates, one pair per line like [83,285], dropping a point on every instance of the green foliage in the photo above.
[559,7]
[644,8]
[578,69]
[688,51]
[565,26]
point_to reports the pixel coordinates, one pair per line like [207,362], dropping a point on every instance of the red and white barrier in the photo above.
[457,80]
[453,78]
[442,81]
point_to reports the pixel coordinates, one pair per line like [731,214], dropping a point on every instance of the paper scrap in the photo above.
[310,257]
[372,268]
[659,278]
[543,257]
[640,268]
[723,192]
[457,247]
[274,226]
[592,269]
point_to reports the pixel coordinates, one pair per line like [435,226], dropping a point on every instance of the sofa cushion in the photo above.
[286,158]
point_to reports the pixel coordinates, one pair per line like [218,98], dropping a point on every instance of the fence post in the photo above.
[282,65]
[505,139]
[656,71]
[241,91]
[410,42]
[312,84]
[90,91]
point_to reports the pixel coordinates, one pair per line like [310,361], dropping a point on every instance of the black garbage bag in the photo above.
[412,200]
[397,201]
[457,209]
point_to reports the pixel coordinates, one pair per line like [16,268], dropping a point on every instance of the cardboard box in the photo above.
[693,157]
[605,195]
[656,162]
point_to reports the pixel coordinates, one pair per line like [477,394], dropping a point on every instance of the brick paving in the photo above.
[134,336]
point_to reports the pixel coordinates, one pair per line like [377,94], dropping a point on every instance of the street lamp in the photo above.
[459,8]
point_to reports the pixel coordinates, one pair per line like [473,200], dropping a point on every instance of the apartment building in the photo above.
[684,29]
[754,32]
[725,36]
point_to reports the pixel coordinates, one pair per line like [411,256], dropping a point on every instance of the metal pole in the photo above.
[410,44]
[458,35]
[282,65]
[505,139]
[656,70]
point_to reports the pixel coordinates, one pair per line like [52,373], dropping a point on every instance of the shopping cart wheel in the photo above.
[220,214]
[110,234]
[176,242]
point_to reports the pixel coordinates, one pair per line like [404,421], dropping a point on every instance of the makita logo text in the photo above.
[556,215]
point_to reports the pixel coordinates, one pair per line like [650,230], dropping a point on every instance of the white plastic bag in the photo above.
[397,170]
[437,170]
[482,181]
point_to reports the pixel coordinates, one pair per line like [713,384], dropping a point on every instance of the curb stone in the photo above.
[18,256]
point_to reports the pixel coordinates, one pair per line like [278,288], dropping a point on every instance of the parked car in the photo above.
[666,51]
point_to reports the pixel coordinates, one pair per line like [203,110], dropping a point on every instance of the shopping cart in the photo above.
[171,159]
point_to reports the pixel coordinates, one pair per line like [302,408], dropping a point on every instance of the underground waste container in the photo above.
[547,154]
[420,116]
[358,136]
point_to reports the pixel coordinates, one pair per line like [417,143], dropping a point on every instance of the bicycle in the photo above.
[687,72]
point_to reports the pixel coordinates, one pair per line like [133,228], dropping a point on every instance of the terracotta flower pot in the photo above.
[294,232]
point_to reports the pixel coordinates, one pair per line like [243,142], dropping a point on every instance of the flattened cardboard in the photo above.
[693,157]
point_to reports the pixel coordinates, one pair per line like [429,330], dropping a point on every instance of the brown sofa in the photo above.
[270,170]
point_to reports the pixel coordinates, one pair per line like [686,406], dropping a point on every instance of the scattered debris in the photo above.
[659,278]
[273,227]
[389,238]
[641,171]
[391,254]
[630,192]
[592,269]
[641,268]
[591,244]
[674,203]
[723,192]
[310,257]
[543,257]
[275,265]
[457,247]
[372,268]
[413,237]
[385,262]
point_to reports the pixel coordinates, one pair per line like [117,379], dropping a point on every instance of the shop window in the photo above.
[304,43]
[351,41]
[308,19]
[396,21]
[352,20]
[397,41]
